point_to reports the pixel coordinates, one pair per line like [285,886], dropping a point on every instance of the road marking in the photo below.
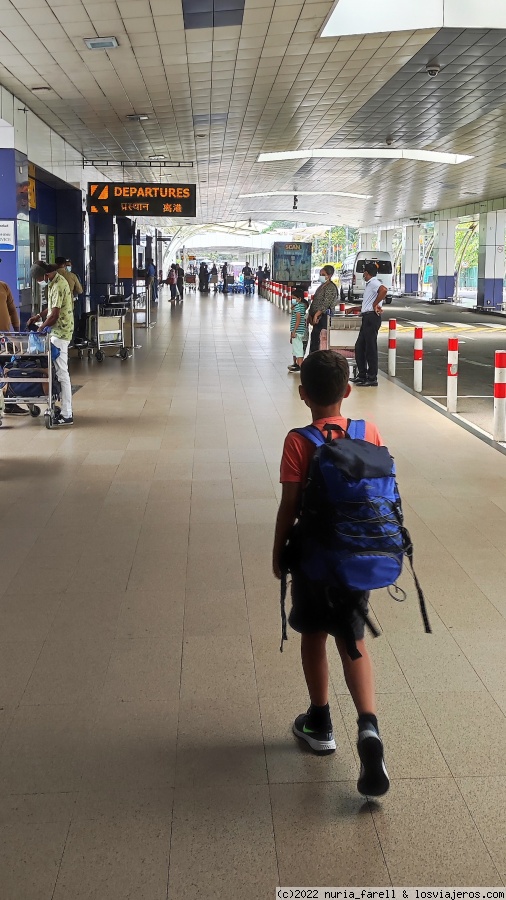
[472,362]
[459,325]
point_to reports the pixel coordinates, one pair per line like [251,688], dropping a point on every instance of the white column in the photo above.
[491,259]
[443,282]
[368,239]
[410,258]
[386,240]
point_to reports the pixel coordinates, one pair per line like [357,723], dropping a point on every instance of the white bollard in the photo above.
[452,375]
[500,396]
[392,346]
[418,361]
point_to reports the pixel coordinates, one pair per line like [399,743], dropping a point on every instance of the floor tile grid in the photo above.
[281,847]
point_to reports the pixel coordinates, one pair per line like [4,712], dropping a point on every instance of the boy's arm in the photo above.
[287,514]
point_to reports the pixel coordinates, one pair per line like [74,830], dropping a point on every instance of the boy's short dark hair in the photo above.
[324,376]
[61,261]
[371,268]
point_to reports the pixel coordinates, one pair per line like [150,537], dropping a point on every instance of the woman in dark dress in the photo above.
[325,298]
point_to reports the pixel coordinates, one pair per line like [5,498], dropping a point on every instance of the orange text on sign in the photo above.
[175,193]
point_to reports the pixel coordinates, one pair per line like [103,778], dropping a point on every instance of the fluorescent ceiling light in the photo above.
[306,194]
[101,43]
[435,156]
[351,16]
[159,157]
[137,117]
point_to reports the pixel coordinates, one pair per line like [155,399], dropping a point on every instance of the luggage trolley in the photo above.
[17,351]
[107,329]
[342,335]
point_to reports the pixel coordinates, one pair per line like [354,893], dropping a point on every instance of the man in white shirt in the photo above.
[366,348]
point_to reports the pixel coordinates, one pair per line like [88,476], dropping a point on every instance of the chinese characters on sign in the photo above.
[118,199]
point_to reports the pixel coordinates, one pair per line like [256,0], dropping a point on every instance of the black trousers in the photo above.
[366,348]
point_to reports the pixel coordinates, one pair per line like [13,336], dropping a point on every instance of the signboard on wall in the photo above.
[142,199]
[291,261]
[43,247]
[7,235]
[51,254]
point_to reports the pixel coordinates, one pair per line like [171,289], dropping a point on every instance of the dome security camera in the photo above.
[433,69]
[389,141]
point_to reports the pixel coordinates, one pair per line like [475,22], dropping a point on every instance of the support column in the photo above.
[102,271]
[443,282]
[14,238]
[368,240]
[410,259]
[491,259]
[386,240]
[125,252]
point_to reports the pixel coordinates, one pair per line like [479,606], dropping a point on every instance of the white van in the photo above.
[352,281]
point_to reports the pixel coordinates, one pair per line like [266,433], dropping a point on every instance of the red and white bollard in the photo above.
[342,308]
[452,375]
[418,361]
[392,346]
[500,396]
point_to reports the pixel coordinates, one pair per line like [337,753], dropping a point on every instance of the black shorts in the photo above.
[312,612]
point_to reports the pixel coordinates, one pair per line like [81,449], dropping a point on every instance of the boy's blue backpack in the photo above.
[350,532]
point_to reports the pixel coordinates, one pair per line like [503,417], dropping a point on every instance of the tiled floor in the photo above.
[145,710]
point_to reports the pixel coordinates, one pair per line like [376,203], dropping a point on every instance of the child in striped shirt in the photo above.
[298,328]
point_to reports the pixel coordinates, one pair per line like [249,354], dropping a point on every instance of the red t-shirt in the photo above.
[298,450]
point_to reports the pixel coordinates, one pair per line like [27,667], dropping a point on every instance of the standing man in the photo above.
[58,315]
[366,348]
[180,280]
[76,288]
[224,272]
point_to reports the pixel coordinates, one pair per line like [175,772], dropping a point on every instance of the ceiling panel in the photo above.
[218,96]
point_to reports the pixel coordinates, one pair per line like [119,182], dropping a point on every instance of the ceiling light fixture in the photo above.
[157,158]
[137,117]
[367,153]
[101,43]
[306,194]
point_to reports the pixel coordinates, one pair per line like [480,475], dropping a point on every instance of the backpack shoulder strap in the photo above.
[356,429]
[312,434]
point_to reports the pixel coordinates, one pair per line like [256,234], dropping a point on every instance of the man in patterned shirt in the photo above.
[58,315]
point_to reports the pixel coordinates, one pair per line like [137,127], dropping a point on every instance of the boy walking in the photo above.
[298,329]
[324,385]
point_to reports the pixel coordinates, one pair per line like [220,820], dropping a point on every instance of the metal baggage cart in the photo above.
[342,333]
[107,329]
[16,344]
[190,279]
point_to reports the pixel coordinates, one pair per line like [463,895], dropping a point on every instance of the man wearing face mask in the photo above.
[65,269]
[58,315]
[366,348]
[325,298]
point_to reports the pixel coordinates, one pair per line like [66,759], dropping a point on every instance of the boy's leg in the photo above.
[313,652]
[359,676]
[315,726]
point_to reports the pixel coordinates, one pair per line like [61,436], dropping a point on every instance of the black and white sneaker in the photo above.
[358,380]
[373,779]
[64,420]
[321,742]
[293,368]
